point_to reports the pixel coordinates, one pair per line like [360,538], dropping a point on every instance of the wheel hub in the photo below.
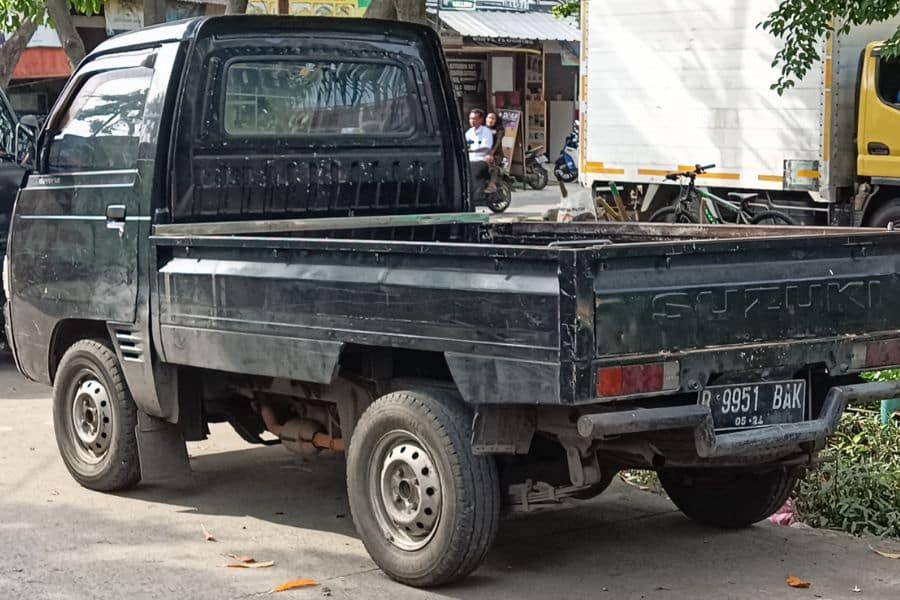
[92,417]
[409,493]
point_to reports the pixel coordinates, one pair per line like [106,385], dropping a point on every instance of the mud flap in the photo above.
[162,452]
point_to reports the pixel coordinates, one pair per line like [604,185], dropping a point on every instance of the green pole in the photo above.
[888,407]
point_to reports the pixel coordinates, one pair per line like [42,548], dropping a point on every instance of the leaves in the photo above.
[566,9]
[796,582]
[802,25]
[858,489]
[293,584]
[248,562]
[209,537]
[13,12]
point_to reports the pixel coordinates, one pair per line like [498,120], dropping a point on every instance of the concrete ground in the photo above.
[62,542]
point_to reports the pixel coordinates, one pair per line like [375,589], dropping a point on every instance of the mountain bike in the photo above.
[693,202]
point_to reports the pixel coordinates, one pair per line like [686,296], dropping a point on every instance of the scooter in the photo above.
[535,174]
[566,167]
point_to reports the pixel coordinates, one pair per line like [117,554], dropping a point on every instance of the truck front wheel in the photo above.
[728,498]
[886,215]
[425,507]
[94,418]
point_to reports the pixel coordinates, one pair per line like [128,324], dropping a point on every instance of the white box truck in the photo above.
[667,84]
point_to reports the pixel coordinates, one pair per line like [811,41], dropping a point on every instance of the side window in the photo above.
[7,128]
[316,98]
[101,128]
[888,80]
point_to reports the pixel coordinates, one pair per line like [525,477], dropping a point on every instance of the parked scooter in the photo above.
[566,168]
[535,174]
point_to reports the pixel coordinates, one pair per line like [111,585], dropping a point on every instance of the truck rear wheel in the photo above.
[94,418]
[728,498]
[426,508]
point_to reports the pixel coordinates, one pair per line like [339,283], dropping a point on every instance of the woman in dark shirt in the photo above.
[495,161]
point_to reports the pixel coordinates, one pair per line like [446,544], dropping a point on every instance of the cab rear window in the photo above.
[305,98]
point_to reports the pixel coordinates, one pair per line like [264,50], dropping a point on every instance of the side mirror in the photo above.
[26,141]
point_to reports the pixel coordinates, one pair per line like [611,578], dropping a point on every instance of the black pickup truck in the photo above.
[265,221]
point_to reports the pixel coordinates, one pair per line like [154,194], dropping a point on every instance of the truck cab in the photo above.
[878,134]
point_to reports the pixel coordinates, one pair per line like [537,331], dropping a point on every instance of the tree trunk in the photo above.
[12,49]
[62,21]
[236,7]
[412,11]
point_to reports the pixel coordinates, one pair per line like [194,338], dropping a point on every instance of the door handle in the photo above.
[115,218]
[878,149]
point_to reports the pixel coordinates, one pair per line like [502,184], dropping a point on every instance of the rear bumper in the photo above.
[773,439]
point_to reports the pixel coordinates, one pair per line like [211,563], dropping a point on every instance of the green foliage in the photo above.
[566,8]
[802,24]
[858,489]
[886,375]
[13,12]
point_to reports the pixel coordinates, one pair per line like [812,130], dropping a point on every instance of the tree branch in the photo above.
[12,50]
[61,19]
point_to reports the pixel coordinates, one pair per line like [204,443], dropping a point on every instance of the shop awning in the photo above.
[511,25]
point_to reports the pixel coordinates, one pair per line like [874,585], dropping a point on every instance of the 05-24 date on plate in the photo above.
[742,406]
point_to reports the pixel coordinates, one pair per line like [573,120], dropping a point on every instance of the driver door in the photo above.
[76,222]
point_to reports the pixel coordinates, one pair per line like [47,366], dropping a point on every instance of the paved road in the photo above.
[62,542]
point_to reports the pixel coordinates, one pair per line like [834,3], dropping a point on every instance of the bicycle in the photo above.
[708,205]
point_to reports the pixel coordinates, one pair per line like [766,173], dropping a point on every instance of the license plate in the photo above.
[749,405]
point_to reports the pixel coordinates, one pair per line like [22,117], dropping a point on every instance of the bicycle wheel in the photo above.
[772,217]
[671,214]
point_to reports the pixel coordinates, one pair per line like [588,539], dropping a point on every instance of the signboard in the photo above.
[123,15]
[510,119]
[457,4]
[311,8]
[466,76]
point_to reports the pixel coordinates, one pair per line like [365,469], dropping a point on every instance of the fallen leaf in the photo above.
[894,555]
[242,558]
[209,536]
[251,564]
[796,582]
[293,584]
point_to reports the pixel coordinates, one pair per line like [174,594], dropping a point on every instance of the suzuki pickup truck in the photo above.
[266,222]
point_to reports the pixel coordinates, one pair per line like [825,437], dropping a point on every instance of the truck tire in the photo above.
[887,214]
[94,418]
[426,508]
[728,498]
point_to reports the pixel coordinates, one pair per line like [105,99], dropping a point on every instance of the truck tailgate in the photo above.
[660,297]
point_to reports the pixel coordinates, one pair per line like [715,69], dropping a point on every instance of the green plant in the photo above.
[858,489]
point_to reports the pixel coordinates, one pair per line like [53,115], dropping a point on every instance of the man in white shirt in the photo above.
[480,140]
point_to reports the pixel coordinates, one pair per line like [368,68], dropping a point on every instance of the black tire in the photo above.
[772,217]
[562,173]
[466,520]
[94,418]
[728,498]
[669,214]
[889,213]
[538,178]
[501,199]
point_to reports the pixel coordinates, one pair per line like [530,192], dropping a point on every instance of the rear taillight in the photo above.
[637,379]
[883,353]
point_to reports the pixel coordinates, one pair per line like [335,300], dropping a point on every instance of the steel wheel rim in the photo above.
[90,417]
[405,490]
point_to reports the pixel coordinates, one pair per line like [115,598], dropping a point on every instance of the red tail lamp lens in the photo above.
[637,379]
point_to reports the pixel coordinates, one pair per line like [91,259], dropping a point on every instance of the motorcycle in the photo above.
[566,167]
[535,174]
